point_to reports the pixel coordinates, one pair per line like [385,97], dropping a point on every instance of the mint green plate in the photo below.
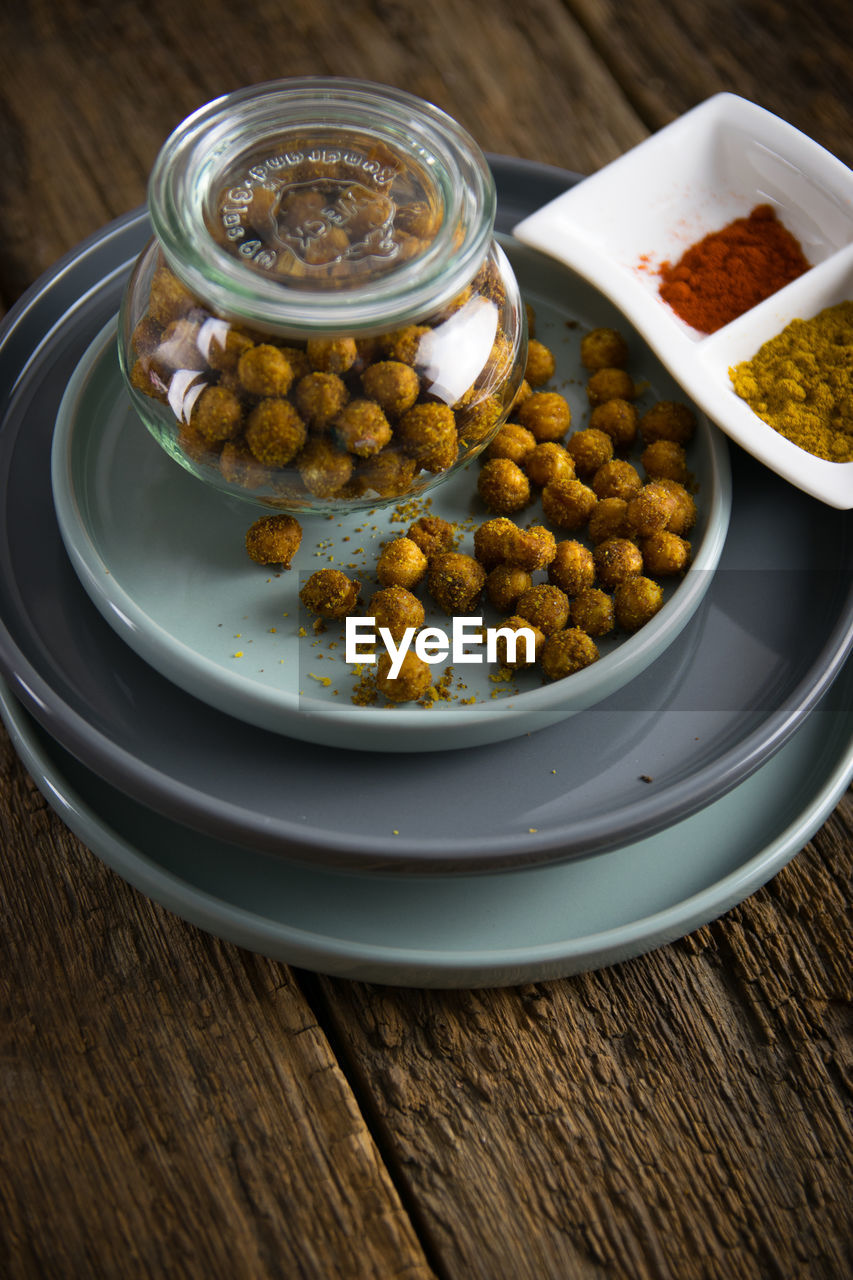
[162,557]
[454,930]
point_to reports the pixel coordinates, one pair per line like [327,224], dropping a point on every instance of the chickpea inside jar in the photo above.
[323,320]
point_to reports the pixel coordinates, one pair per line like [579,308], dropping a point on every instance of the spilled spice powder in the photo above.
[731,270]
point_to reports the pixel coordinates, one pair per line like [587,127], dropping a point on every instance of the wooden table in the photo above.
[175,1106]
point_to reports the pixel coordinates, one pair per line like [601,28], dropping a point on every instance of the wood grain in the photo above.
[176,1106]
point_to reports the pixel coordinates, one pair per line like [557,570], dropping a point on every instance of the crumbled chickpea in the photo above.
[593,611]
[431,534]
[616,560]
[455,581]
[361,428]
[546,606]
[503,486]
[396,609]
[319,397]
[573,568]
[610,384]
[394,385]
[324,470]
[619,419]
[427,432]
[617,479]
[549,461]
[330,594]
[604,349]
[521,657]
[331,355]
[546,414]
[512,441]
[568,503]
[264,370]
[668,420]
[566,652]
[665,460]
[665,553]
[401,563]
[275,432]
[505,584]
[608,520]
[589,449]
[217,414]
[540,365]
[651,510]
[274,540]
[411,682]
[637,600]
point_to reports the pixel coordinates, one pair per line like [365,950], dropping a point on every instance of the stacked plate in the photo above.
[640,810]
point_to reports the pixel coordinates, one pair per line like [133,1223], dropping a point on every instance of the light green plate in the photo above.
[162,557]
[465,931]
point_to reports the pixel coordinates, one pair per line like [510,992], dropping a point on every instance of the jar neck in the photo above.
[267,144]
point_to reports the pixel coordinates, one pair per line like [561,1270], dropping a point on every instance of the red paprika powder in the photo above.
[731,270]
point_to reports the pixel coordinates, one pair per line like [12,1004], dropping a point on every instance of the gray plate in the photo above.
[765,646]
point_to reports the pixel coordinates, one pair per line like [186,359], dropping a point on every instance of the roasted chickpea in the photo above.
[403,344]
[604,349]
[227,344]
[610,384]
[617,479]
[503,486]
[476,422]
[619,419]
[392,384]
[361,428]
[637,600]
[546,414]
[568,503]
[319,397]
[411,682]
[505,584]
[331,355]
[665,553]
[275,432]
[593,612]
[330,594]
[540,365]
[495,541]
[427,432]
[168,298]
[589,450]
[608,520]
[616,560]
[401,563]
[534,548]
[512,441]
[665,460]
[432,534]
[546,606]
[239,465]
[274,540]
[396,609]
[668,420]
[566,652]
[549,461]
[385,474]
[217,415]
[651,510]
[573,568]
[455,581]
[324,470]
[683,517]
[264,370]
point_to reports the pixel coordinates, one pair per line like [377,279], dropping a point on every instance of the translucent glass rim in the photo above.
[200,149]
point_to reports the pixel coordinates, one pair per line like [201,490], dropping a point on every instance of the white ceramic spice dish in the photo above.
[713,164]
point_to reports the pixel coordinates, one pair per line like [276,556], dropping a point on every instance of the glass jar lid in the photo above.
[322,205]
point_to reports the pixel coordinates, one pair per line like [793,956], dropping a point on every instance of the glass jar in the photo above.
[323,320]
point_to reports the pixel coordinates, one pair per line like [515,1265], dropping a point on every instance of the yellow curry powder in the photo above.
[801,383]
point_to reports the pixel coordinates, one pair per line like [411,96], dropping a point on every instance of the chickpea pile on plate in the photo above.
[617,515]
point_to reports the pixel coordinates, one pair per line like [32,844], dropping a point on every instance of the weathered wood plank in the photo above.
[684,1115]
[170,1105]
